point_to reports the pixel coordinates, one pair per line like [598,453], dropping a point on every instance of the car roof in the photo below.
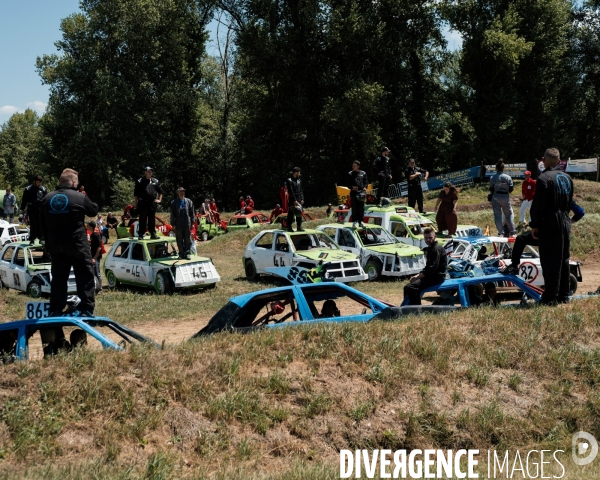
[148,240]
[247,215]
[452,283]
[482,238]
[279,230]
[349,225]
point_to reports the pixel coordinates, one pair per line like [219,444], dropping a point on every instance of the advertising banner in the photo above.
[585,165]
[515,170]
[459,177]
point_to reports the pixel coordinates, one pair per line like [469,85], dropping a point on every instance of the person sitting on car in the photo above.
[329,309]
[78,338]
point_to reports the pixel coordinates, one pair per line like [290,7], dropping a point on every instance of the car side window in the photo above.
[121,250]
[281,243]
[8,254]
[266,241]
[347,239]
[330,232]
[330,301]
[138,252]
[12,231]
[20,257]
[399,229]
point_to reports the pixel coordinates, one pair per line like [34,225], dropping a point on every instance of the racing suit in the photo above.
[294,187]
[63,213]
[182,217]
[31,201]
[383,170]
[357,179]
[528,191]
[550,215]
[500,186]
[415,191]
[434,271]
[146,192]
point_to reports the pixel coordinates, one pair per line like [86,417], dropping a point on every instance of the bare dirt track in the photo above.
[176,331]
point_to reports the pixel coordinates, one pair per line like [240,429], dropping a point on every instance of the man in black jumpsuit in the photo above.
[357,183]
[434,272]
[148,193]
[414,177]
[63,214]
[32,200]
[296,195]
[383,170]
[551,225]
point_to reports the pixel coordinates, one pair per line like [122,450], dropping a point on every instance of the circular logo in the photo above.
[584,448]
[59,202]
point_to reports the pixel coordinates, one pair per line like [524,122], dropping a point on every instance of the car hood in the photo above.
[178,261]
[325,254]
[401,249]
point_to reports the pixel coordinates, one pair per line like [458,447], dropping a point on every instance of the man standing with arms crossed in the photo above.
[414,177]
[551,225]
[383,171]
[31,201]
[148,193]
[63,213]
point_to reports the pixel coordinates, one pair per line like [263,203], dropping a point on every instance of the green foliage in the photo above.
[122,193]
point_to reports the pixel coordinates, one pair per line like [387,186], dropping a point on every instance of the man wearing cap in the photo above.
[357,183]
[147,193]
[96,250]
[528,190]
[182,219]
[32,201]
[414,177]
[383,169]
[276,212]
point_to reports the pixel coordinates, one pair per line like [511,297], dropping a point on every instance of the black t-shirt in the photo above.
[415,182]
[147,190]
[95,244]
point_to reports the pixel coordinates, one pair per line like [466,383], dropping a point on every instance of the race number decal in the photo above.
[528,271]
[16,279]
[298,276]
[37,310]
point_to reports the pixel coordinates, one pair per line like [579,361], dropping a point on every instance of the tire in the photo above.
[162,283]
[111,279]
[171,233]
[211,286]
[572,284]
[373,269]
[34,289]
[250,268]
[204,236]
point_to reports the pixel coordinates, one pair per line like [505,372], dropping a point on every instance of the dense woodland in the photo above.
[310,83]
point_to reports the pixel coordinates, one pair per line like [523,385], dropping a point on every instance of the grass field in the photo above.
[281,404]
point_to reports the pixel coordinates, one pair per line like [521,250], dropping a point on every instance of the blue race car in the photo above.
[20,338]
[306,304]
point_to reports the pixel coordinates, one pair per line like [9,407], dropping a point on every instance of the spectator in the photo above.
[205,210]
[501,185]
[32,201]
[8,204]
[215,212]
[100,222]
[96,251]
[148,194]
[276,212]
[414,177]
[296,194]
[357,183]
[111,222]
[249,205]
[434,272]
[447,218]
[182,220]
[383,170]
[242,205]
[63,221]
[528,190]
[329,211]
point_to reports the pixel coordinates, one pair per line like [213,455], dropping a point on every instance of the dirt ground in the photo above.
[176,331]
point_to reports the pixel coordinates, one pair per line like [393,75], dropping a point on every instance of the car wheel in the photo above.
[204,236]
[251,273]
[111,279]
[572,284]
[211,286]
[34,289]
[162,283]
[373,269]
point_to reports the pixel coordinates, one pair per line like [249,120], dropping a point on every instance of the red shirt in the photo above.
[528,189]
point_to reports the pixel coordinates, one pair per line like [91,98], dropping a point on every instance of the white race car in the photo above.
[11,232]
[300,257]
[155,263]
[26,268]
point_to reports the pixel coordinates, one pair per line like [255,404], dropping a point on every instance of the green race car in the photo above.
[250,220]
[155,263]
[206,230]
[380,252]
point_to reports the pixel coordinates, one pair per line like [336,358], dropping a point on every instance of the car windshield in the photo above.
[162,250]
[38,256]
[312,240]
[417,228]
[375,236]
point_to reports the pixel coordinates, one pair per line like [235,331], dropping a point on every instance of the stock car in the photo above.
[477,248]
[131,230]
[26,268]
[17,338]
[304,305]
[300,257]
[251,220]
[11,232]
[206,230]
[380,252]
[155,263]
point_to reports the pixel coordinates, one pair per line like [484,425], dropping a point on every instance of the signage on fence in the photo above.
[459,177]
[401,189]
[584,165]
[515,170]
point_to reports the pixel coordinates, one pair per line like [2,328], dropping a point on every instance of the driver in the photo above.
[329,309]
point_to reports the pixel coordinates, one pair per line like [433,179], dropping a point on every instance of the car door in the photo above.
[6,274]
[283,255]
[139,267]
[19,269]
[347,241]
[262,253]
